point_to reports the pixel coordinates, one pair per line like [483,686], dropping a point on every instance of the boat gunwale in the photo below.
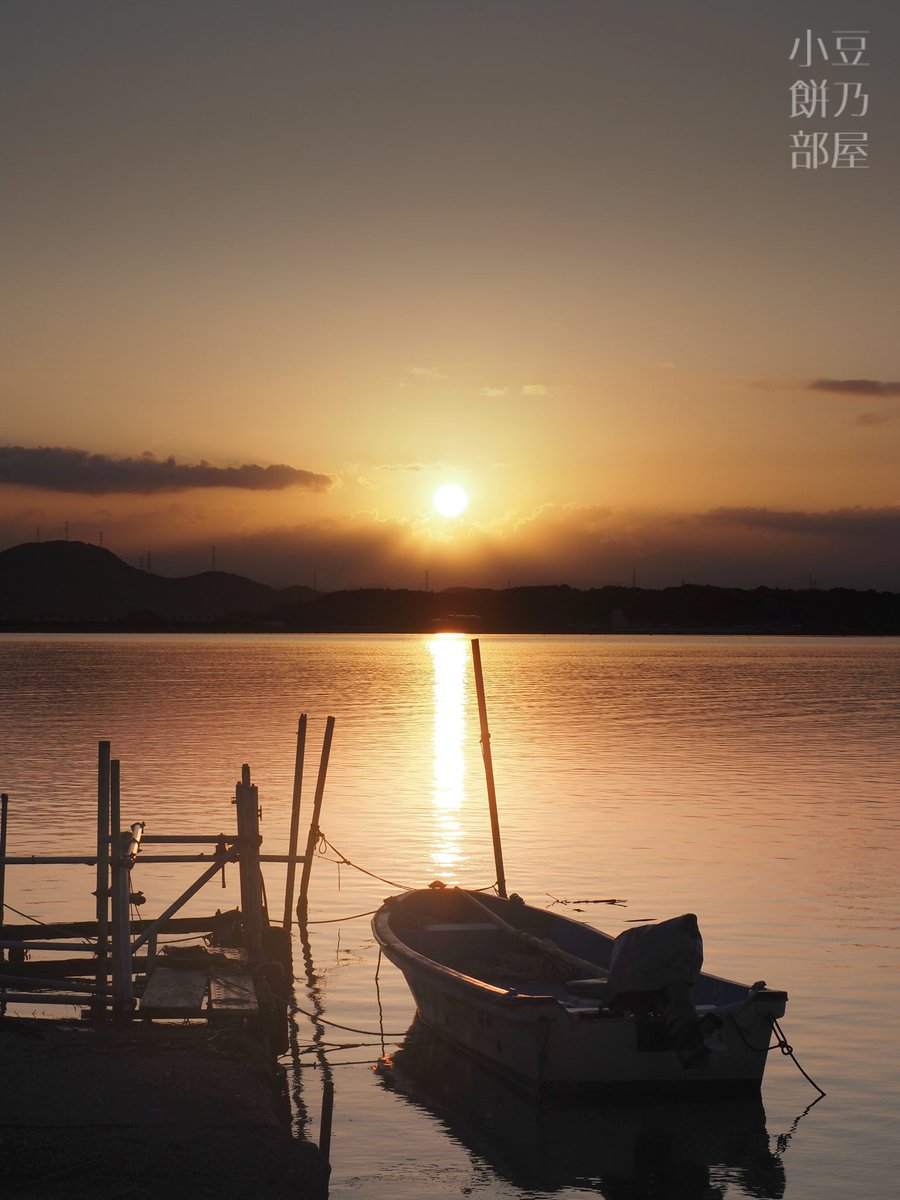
[381,928]
[389,940]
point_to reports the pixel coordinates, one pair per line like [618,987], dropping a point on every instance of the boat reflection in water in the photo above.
[681,1149]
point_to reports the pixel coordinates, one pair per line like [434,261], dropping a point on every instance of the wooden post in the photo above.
[103,833]
[4,812]
[123,994]
[4,806]
[295,823]
[488,767]
[246,799]
[314,821]
[327,1120]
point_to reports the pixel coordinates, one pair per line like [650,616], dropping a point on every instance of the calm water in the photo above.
[751,781]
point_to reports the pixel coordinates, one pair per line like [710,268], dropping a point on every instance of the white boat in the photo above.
[556,1006]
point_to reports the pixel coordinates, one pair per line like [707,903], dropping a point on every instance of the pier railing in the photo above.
[115,939]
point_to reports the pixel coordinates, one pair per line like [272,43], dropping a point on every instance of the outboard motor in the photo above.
[654,966]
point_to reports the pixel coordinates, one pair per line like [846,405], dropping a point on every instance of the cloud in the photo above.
[493,393]
[836,523]
[426,372]
[855,387]
[535,389]
[582,545]
[54,468]
[878,418]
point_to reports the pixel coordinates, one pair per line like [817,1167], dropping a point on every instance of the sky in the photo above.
[626,272]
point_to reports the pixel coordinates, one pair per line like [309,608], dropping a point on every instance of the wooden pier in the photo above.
[127,982]
[239,975]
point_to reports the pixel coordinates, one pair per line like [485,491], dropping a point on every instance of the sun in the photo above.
[450,500]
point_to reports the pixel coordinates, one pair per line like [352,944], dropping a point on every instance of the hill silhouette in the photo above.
[60,585]
[73,581]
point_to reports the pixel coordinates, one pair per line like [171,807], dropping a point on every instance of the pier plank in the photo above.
[231,994]
[174,993]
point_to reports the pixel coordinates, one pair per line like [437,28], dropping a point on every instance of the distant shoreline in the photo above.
[72,587]
[113,628]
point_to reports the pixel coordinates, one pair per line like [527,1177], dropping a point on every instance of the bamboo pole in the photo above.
[88,929]
[90,860]
[543,946]
[488,767]
[295,823]
[31,860]
[102,866]
[153,927]
[39,1000]
[185,839]
[313,834]
[15,944]
[33,981]
[82,967]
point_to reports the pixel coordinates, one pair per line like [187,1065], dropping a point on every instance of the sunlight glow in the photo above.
[449,653]
[450,500]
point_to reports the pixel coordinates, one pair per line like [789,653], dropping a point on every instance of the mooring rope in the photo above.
[781,1043]
[376,1033]
[343,860]
[48,925]
[334,920]
[788,1051]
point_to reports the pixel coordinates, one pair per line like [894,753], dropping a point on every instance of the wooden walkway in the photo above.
[214,984]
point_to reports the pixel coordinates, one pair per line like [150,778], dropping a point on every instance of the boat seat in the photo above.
[590,989]
[459,926]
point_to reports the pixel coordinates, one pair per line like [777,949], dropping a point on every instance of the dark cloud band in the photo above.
[63,470]
[838,522]
[856,387]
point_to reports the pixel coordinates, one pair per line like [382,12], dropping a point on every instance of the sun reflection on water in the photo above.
[450,659]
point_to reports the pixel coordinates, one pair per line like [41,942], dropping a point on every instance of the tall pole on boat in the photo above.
[488,767]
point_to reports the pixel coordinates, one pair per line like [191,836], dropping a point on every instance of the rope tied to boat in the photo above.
[342,860]
[788,1051]
[781,1043]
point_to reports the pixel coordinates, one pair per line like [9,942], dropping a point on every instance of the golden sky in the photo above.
[555,252]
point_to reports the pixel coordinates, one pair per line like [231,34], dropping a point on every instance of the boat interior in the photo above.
[525,950]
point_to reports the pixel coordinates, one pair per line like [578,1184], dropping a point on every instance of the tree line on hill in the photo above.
[71,585]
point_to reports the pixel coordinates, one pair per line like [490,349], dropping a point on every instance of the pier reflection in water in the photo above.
[683,1149]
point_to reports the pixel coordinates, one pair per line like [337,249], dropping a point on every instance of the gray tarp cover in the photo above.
[650,957]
